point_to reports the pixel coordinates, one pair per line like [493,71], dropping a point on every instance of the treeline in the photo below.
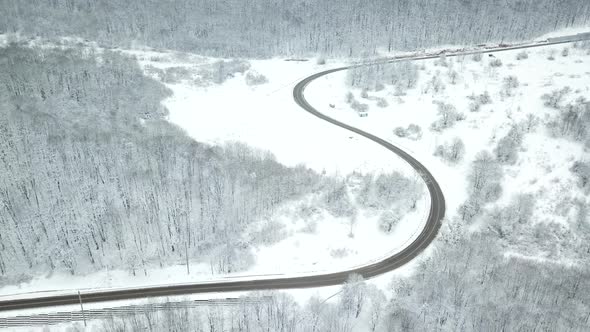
[261,311]
[271,27]
[467,284]
[91,176]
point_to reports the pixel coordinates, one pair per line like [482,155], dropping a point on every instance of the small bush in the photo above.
[221,70]
[448,115]
[476,57]
[452,152]
[565,52]
[582,172]
[388,220]
[255,78]
[349,97]
[510,84]
[381,102]
[359,107]
[364,93]
[554,98]
[310,227]
[522,55]
[478,101]
[339,253]
[496,63]
[441,61]
[174,75]
[400,132]
[453,76]
[435,83]
[413,132]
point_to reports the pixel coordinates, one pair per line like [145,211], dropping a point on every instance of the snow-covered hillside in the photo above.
[505,100]
[219,102]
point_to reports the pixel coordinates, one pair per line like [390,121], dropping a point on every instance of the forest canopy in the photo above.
[92,176]
[264,28]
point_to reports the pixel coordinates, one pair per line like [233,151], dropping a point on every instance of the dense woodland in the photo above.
[272,27]
[466,285]
[91,176]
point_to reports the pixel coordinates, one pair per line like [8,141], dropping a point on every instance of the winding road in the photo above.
[427,235]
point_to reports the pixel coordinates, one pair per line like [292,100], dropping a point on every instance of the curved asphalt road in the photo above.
[437,212]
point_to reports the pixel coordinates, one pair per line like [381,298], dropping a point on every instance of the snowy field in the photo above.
[544,161]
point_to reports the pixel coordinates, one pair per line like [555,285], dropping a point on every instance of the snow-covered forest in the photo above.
[265,28]
[464,286]
[158,142]
[92,176]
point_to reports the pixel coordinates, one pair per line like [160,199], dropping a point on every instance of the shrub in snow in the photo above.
[337,201]
[359,107]
[551,56]
[306,211]
[496,63]
[221,70]
[582,172]
[386,190]
[356,105]
[522,55]
[233,256]
[476,57]
[441,61]
[174,75]
[554,98]
[413,132]
[310,227]
[349,97]
[154,71]
[448,116]
[403,74]
[452,152]
[573,121]
[530,123]
[321,60]
[388,220]
[382,103]
[484,98]
[483,184]
[478,101]
[507,149]
[453,75]
[510,83]
[474,107]
[520,209]
[565,52]
[435,84]
[254,78]
[268,233]
[364,94]
[400,132]
[503,221]
[339,253]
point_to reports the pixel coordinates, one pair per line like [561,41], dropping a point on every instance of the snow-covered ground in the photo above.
[266,117]
[543,165]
